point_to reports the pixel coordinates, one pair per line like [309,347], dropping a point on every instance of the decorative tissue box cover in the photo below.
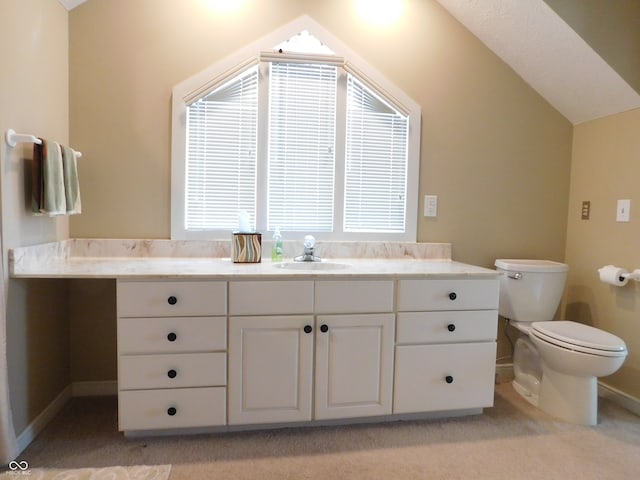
[247,247]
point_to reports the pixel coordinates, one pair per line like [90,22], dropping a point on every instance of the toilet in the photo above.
[556,363]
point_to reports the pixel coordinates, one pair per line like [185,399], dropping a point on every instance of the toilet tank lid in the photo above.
[530,265]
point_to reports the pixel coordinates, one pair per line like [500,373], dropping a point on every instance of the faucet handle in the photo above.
[309,241]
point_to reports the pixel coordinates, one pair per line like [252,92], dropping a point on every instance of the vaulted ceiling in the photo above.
[549,54]
[552,46]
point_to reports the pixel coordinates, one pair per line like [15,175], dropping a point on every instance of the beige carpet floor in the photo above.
[20,470]
[510,441]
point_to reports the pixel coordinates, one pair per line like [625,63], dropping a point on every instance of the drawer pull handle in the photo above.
[451,327]
[448,379]
[172,300]
[453,296]
[324,328]
[172,337]
[308,329]
[172,373]
[171,411]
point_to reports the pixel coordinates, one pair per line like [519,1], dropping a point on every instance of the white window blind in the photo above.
[375,163]
[302,118]
[222,154]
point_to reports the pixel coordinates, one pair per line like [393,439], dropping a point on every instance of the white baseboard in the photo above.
[41,421]
[94,389]
[504,372]
[620,398]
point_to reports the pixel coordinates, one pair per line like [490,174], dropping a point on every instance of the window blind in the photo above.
[375,162]
[222,155]
[302,116]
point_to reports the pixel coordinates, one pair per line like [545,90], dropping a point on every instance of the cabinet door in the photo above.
[354,365]
[270,368]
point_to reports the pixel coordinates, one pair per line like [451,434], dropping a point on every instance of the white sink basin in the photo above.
[311,265]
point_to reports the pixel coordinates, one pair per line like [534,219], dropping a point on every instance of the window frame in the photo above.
[210,78]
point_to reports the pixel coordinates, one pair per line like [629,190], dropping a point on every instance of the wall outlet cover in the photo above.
[623,212]
[430,205]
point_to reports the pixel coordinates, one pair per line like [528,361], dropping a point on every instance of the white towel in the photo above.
[71,183]
[55,186]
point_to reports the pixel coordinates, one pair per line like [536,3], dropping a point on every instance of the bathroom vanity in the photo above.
[207,344]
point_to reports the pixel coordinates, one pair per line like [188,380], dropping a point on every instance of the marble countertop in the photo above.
[137,259]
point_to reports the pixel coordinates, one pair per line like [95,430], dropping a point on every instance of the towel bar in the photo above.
[12,138]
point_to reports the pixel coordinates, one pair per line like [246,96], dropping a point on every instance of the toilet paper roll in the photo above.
[613,275]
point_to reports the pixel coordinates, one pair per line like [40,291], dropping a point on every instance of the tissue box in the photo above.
[247,248]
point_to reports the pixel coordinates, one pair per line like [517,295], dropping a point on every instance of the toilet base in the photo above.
[569,398]
[525,393]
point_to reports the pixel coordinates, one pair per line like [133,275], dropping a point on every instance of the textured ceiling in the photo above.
[533,40]
[540,47]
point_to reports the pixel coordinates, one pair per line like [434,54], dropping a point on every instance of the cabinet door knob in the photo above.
[308,329]
[172,373]
[453,296]
[324,328]
[451,327]
[448,379]
[172,300]
[171,411]
[172,337]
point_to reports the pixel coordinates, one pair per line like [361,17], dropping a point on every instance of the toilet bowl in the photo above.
[573,356]
[555,363]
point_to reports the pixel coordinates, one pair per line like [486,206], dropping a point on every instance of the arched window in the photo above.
[299,137]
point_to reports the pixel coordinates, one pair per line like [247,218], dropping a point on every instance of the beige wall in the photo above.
[33,99]
[605,168]
[495,152]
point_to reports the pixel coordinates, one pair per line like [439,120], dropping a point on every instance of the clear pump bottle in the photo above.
[276,246]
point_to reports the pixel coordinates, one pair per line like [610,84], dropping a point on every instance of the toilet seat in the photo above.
[580,338]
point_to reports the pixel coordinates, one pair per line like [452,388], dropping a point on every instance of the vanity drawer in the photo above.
[152,409]
[172,334]
[270,297]
[172,371]
[354,296]
[171,298]
[422,373]
[447,326]
[450,294]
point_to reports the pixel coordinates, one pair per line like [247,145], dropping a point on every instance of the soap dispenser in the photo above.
[276,246]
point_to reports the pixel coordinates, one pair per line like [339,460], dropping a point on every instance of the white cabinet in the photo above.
[354,365]
[195,353]
[270,367]
[172,361]
[445,355]
[271,371]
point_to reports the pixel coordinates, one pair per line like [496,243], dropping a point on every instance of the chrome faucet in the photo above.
[309,245]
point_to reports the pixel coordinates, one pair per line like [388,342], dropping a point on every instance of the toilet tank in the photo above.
[530,290]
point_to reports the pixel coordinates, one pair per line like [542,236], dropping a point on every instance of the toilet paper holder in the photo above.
[635,275]
[618,276]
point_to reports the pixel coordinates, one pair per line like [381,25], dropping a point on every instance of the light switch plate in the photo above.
[430,205]
[623,212]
